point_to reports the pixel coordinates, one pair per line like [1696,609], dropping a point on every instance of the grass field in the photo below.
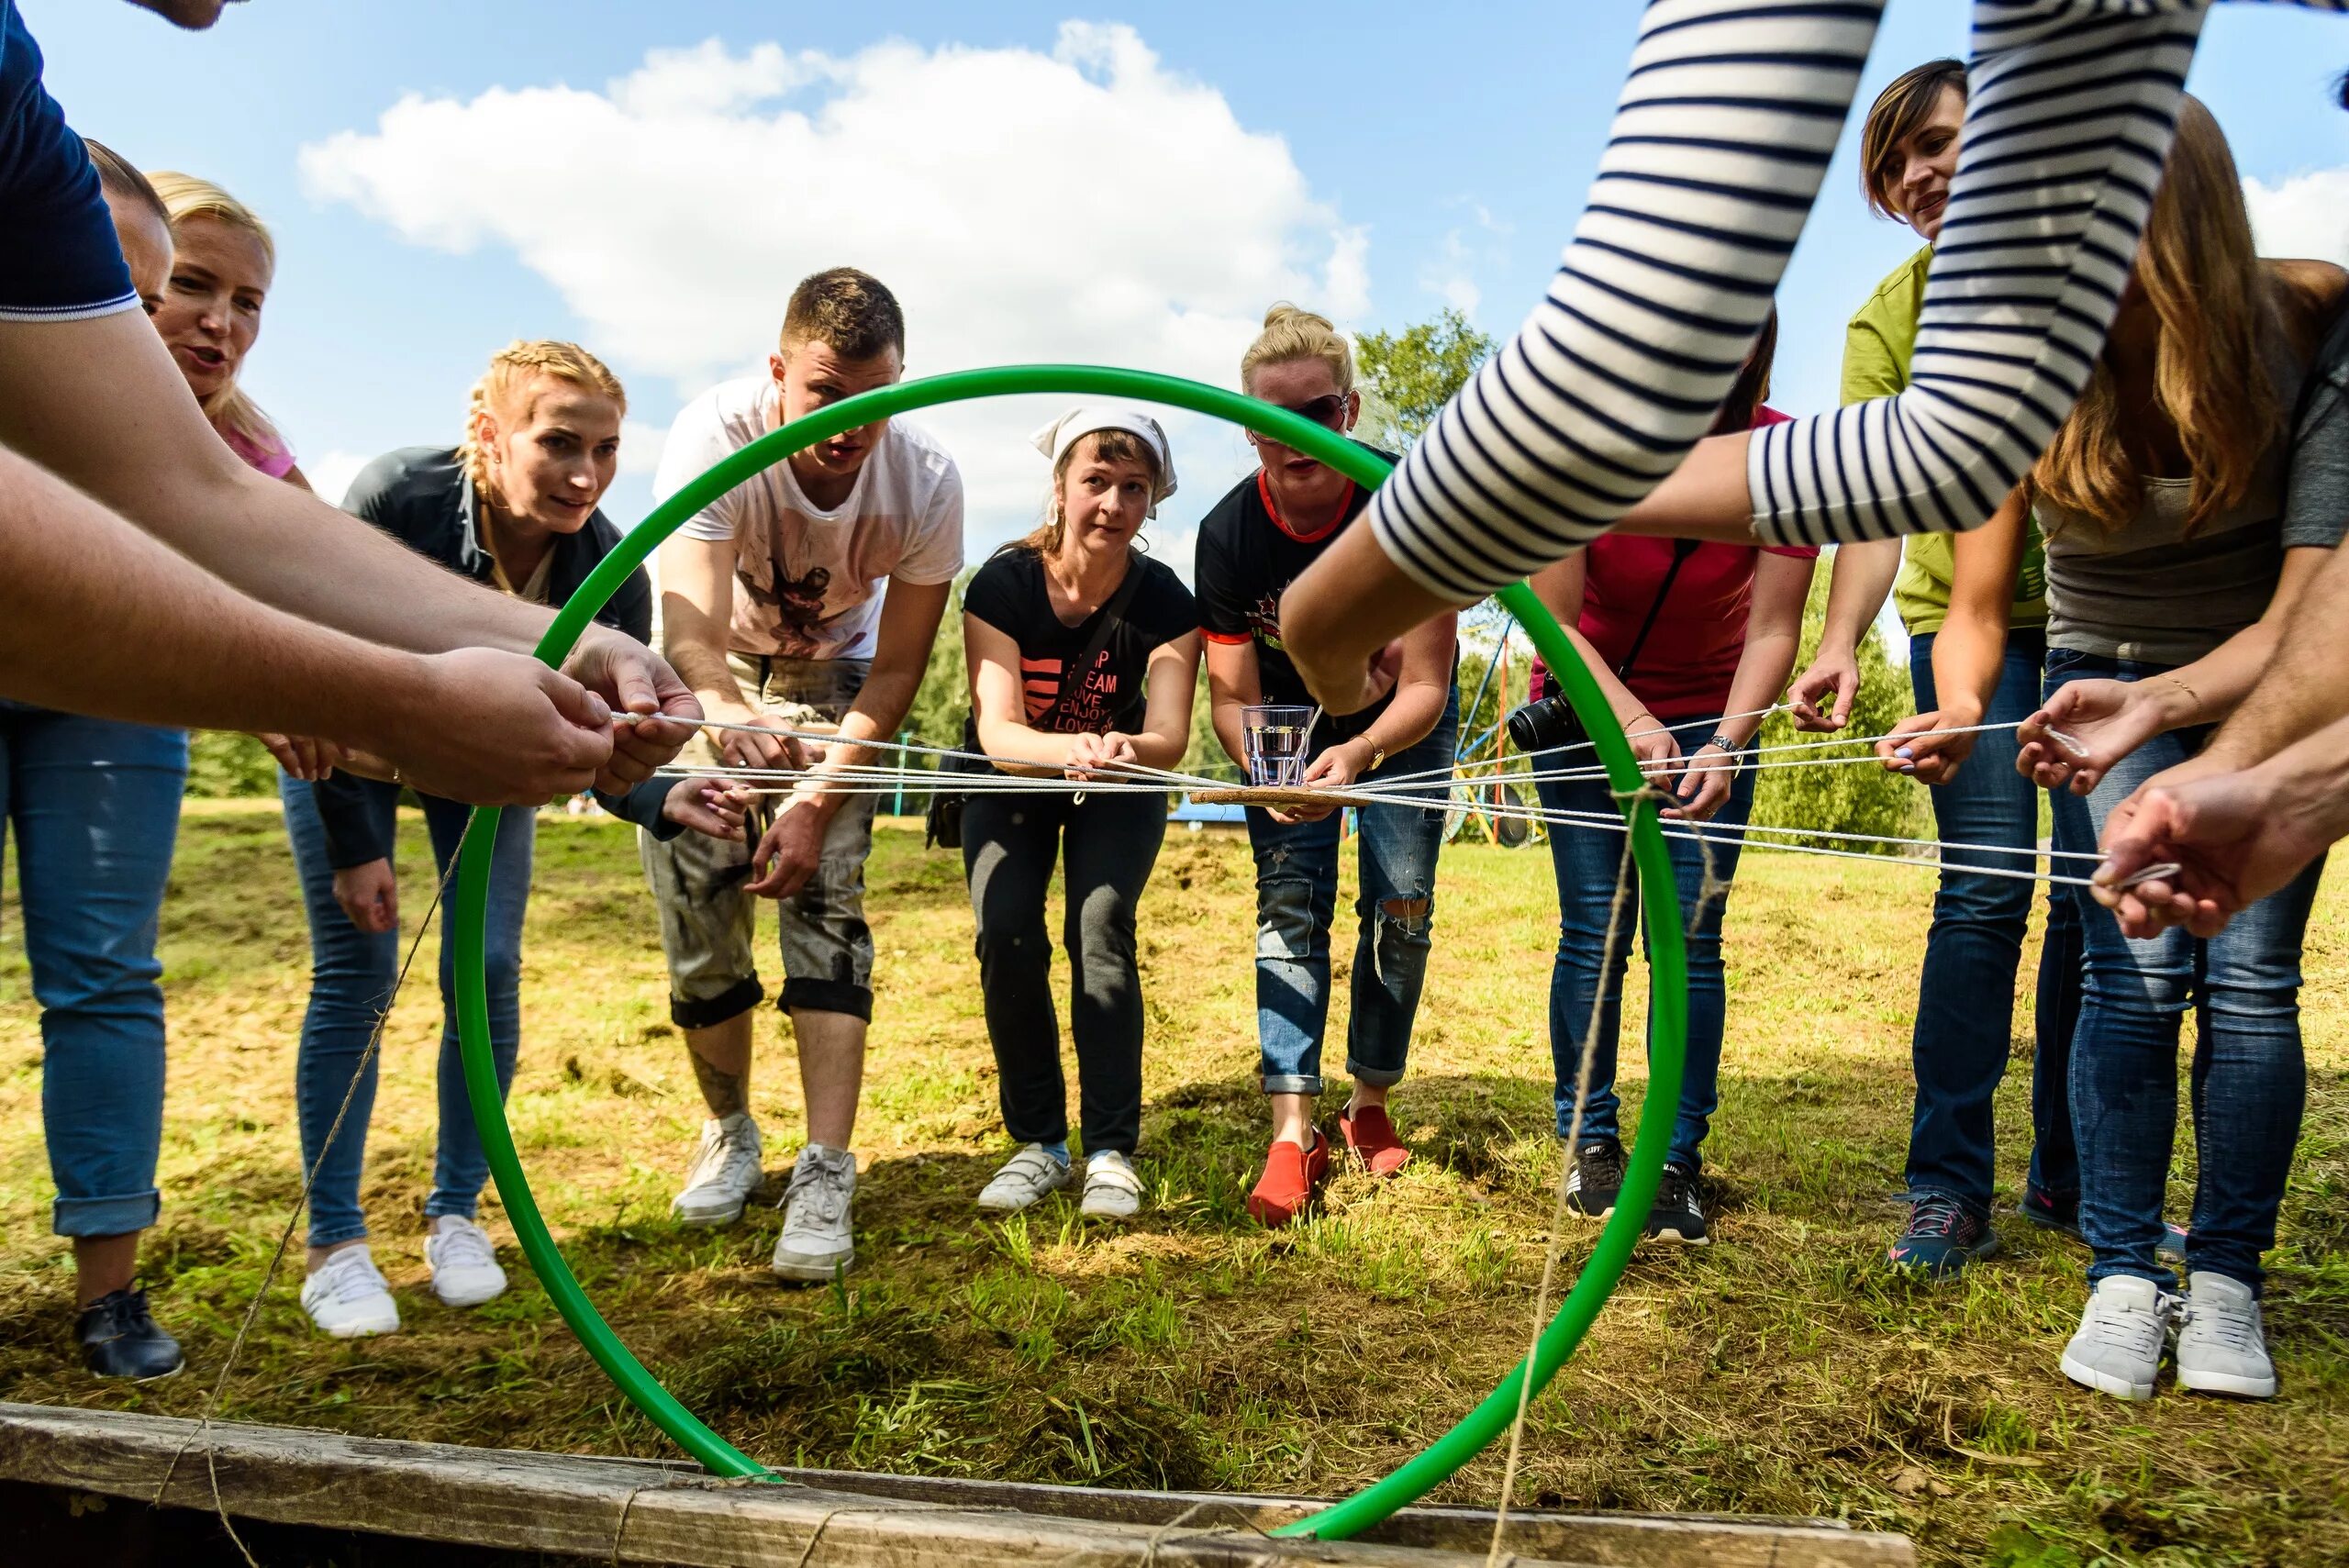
[1780,1371]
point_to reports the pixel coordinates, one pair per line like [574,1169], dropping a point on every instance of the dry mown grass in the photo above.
[1780,1371]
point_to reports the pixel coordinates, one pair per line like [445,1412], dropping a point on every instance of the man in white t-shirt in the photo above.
[809,592]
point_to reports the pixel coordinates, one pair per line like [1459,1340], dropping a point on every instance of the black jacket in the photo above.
[421,497]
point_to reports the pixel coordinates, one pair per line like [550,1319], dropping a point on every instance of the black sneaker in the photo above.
[1598,1176]
[119,1339]
[2061,1214]
[1943,1237]
[1677,1216]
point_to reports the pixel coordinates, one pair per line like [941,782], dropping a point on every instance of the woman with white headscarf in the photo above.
[1084,654]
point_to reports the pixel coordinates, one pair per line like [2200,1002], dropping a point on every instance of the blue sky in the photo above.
[1386,158]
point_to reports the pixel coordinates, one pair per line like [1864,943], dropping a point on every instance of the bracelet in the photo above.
[1735,752]
[2192,695]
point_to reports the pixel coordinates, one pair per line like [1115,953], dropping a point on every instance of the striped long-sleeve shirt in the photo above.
[1728,118]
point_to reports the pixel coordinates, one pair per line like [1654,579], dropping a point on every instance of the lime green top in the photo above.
[1876,345]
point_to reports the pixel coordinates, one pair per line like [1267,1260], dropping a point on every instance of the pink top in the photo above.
[274,457]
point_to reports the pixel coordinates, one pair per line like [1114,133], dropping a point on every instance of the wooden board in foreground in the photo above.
[643,1511]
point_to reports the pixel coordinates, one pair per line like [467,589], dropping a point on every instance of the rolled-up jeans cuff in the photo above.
[708,1012]
[827,997]
[106,1216]
[1376,1077]
[1291,1083]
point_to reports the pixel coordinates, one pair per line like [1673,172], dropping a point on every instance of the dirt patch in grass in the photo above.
[1779,1371]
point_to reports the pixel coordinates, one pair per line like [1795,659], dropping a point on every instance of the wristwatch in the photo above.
[1377,754]
[1735,752]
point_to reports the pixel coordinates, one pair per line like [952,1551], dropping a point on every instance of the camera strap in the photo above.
[1682,549]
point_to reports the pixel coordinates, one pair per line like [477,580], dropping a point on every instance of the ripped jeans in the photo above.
[1296,904]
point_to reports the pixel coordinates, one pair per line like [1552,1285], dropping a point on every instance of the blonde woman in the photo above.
[1257,539]
[515,505]
[223,264]
[2181,521]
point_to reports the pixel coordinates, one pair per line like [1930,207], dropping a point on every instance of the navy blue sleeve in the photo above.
[641,805]
[630,609]
[59,258]
[354,835]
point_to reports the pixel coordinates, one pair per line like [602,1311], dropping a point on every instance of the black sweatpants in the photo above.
[1009,844]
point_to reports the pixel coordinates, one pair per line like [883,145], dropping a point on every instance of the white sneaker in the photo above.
[725,1172]
[2220,1347]
[2118,1349]
[1026,1178]
[817,1241]
[1112,1190]
[465,1262]
[347,1296]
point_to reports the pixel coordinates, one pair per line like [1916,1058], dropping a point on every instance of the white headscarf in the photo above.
[1084,419]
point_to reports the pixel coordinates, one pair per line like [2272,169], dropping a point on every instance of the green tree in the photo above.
[1411,375]
[223,765]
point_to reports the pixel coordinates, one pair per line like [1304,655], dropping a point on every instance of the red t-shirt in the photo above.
[1690,656]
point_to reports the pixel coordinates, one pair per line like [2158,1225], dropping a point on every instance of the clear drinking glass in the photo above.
[1274,737]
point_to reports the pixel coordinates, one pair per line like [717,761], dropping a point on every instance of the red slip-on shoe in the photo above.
[1287,1187]
[1370,1135]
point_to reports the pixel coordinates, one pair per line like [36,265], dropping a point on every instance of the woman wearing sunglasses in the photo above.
[1257,539]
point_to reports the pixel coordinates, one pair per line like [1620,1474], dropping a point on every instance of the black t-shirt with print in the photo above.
[1008,594]
[1247,558]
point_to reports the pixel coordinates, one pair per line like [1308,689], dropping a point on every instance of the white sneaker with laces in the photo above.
[817,1241]
[1026,1178]
[465,1262]
[347,1296]
[2118,1349]
[2220,1347]
[1112,1189]
[725,1172]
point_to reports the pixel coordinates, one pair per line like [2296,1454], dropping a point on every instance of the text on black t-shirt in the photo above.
[1010,594]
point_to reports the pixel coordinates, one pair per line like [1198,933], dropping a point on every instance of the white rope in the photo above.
[1416,788]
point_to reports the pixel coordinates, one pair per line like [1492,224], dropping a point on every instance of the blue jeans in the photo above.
[2248,1077]
[1587,860]
[352,974]
[1964,1007]
[96,805]
[1297,902]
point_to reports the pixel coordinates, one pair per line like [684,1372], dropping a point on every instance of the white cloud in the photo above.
[1449,277]
[2305,215]
[641,443]
[330,473]
[1085,204]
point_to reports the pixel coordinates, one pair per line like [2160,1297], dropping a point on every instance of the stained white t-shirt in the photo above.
[808,581]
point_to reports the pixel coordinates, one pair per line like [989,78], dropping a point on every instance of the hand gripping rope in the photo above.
[1456,1447]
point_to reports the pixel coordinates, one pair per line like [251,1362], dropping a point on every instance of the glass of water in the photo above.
[1274,735]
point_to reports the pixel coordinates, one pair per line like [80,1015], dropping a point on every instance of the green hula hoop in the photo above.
[1659,898]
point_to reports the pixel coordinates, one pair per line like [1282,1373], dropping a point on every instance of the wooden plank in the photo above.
[1618,1541]
[658,1512]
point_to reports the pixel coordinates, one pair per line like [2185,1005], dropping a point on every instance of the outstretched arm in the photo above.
[100,404]
[1697,206]
[98,617]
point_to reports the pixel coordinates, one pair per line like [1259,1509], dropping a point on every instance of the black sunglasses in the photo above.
[1329,411]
